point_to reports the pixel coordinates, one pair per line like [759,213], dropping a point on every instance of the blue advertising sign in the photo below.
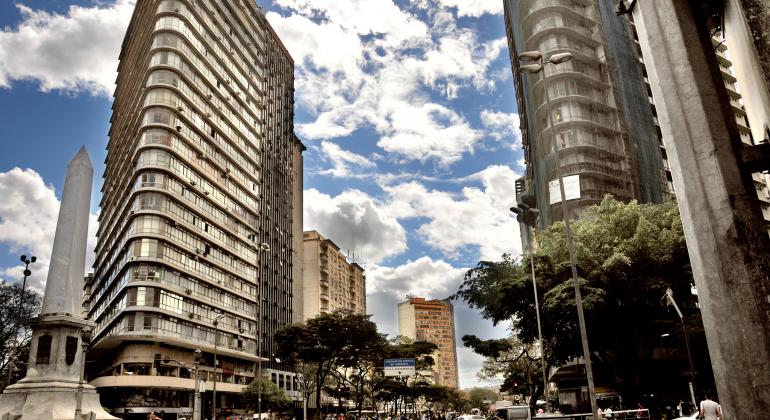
[399,367]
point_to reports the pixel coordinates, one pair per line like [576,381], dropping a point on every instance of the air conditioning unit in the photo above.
[188,291]
[180,108]
[179,128]
[193,183]
[191,315]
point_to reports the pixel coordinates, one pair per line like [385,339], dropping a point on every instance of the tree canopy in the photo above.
[273,398]
[343,353]
[627,255]
[14,335]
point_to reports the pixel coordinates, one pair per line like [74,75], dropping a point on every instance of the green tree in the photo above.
[442,398]
[477,396]
[317,343]
[626,254]
[273,398]
[519,364]
[14,335]
[359,358]
[335,349]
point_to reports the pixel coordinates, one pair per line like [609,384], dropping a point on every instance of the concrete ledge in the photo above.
[167,382]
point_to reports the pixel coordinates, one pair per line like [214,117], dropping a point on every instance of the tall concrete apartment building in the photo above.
[201,205]
[330,282]
[602,106]
[601,114]
[432,321]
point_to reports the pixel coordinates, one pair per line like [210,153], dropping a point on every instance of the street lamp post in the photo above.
[556,59]
[197,412]
[216,365]
[669,297]
[262,248]
[528,217]
[20,308]
[197,357]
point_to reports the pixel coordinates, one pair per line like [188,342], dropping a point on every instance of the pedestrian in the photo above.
[710,410]
[640,411]
[608,413]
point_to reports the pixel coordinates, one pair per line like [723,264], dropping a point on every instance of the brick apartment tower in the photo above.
[201,204]
[432,321]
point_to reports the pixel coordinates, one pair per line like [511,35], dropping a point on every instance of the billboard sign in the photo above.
[399,367]
[571,189]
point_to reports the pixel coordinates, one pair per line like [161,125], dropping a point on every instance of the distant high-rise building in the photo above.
[603,123]
[201,205]
[432,321]
[330,282]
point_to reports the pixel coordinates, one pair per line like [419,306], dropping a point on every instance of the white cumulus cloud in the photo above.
[423,277]
[342,160]
[28,213]
[74,52]
[355,222]
[474,8]
[369,63]
[475,217]
[502,126]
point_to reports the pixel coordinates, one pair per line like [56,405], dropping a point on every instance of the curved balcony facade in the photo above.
[202,167]
[596,125]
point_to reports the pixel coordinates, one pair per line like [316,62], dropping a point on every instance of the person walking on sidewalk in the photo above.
[710,410]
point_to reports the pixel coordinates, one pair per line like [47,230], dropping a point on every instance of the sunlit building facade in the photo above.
[432,321]
[330,280]
[201,204]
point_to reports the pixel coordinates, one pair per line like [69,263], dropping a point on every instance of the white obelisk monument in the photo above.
[52,389]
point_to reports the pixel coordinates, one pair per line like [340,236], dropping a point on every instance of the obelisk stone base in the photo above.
[50,401]
[50,390]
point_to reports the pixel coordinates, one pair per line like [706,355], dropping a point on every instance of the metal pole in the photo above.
[263,247]
[692,366]
[197,406]
[537,313]
[214,396]
[19,310]
[573,265]
[197,397]
[259,349]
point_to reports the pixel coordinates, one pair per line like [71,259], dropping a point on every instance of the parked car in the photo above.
[470,417]
[515,412]
[690,417]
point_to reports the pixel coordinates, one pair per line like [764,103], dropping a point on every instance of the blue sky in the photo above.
[406,107]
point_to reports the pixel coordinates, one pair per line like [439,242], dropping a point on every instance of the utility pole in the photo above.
[726,235]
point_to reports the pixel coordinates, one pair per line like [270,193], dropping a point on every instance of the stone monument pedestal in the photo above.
[50,389]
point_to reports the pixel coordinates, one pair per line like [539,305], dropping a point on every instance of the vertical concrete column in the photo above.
[726,237]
